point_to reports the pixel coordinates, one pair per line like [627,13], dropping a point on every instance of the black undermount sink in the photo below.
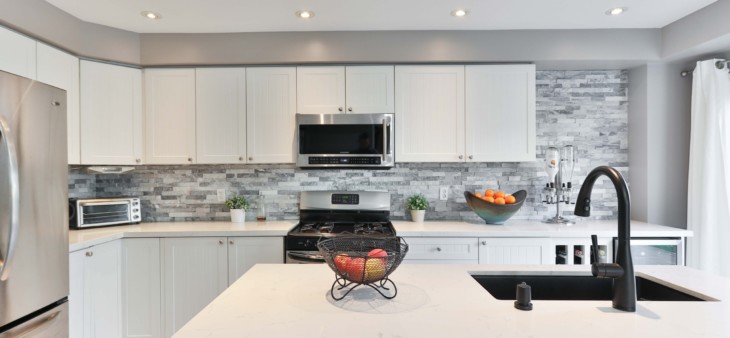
[575,287]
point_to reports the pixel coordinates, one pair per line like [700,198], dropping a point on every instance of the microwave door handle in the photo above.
[385,139]
[13,196]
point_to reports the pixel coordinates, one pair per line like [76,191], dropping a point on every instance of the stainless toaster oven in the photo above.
[98,212]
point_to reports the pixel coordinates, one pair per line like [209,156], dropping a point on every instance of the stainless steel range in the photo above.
[325,214]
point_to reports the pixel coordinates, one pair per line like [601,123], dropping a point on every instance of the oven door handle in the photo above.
[306,257]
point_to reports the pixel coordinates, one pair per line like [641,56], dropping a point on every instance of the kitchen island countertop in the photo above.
[445,301]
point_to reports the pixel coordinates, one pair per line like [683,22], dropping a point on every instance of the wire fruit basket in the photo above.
[363,260]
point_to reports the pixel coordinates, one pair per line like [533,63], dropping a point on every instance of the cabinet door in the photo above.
[18,54]
[61,70]
[370,89]
[442,250]
[500,101]
[111,114]
[170,116]
[429,105]
[514,251]
[103,291]
[141,297]
[76,300]
[220,101]
[245,252]
[320,90]
[194,272]
[270,118]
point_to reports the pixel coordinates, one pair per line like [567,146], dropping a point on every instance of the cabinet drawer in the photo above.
[441,248]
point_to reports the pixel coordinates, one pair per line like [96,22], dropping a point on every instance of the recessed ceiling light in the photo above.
[616,11]
[304,14]
[459,12]
[151,15]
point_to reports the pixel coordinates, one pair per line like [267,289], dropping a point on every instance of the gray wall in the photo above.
[706,31]
[585,108]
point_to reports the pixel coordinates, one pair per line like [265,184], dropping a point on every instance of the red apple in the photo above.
[356,269]
[377,253]
[341,261]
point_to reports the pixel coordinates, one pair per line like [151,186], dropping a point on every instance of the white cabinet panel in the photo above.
[194,272]
[271,110]
[320,90]
[429,103]
[220,99]
[141,297]
[18,54]
[370,89]
[61,70]
[111,114]
[245,252]
[442,248]
[76,293]
[500,101]
[170,116]
[102,291]
[514,251]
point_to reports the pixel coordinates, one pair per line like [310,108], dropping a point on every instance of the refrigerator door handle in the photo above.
[13,195]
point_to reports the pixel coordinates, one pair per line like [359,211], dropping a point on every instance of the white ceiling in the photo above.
[208,16]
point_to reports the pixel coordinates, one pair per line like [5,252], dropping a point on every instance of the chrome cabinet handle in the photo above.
[471,157]
[55,103]
[89,253]
[230,242]
[461,157]
[250,158]
[190,159]
[220,241]
[138,160]
[484,242]
[438,249]
[349,109]
[13,196]
[240,158]
[340,109]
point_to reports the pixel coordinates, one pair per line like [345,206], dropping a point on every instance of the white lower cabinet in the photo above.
[245,252]
[95,297]
[514,251]
[442,250]
[141,295]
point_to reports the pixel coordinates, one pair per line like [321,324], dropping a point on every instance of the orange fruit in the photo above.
[489,192]
[489,199]
[478,194]
[499,200]
[499,194]
[509,199]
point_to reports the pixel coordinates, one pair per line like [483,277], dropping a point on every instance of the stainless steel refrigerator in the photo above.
[33,209]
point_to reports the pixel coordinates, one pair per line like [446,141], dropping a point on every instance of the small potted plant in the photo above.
[238,206]
[417,204]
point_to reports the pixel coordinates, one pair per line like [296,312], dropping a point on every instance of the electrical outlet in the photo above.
[444,193]
[221,195]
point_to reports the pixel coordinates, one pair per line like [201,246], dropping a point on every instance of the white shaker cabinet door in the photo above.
[18,55]
[102,288]
[76,300]
[194,272]
[111,114]
[514,251]
[61,70]
[220,100]
[370,89]
[170,116]
[270,114]
[500,102]
[320,90]
[141,297]
[429,110]
[245,252]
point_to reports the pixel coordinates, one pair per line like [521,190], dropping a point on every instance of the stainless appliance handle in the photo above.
[13,196]
[307,257]
[385,138]
[92,203]
[32,328]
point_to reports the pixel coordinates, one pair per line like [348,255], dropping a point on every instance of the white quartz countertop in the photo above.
[445,301]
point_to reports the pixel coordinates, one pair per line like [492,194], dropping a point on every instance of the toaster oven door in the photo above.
[99,213]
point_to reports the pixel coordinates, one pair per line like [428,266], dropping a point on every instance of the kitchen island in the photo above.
[445,301]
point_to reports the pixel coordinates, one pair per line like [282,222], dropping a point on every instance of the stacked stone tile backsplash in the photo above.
[587,109]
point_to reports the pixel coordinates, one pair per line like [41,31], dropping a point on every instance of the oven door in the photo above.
[100,212]
[304,257]
[345,140]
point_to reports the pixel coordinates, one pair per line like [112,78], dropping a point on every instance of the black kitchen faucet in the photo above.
[622,271]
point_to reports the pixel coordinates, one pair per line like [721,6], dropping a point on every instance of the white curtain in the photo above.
[708,206]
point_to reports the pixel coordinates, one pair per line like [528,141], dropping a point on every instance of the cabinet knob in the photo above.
[438,249]
[471,157]
[190,159]
[349,109]
[89,253]
[138,160]
[461,157]
[55,103]
[230,242]
[250,158]
[220,241]
[240,158]
[484,242]
[340,108]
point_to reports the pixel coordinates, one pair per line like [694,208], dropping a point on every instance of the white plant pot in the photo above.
[238,215]
[418,215]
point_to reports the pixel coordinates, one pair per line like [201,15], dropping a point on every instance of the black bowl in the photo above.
[495,213]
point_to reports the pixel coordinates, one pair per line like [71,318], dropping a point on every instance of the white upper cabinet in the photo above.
[61,70]
[170,116]
[220,99]
[429,104]
[500,102]
[270,118]
[18,54]
[370,89]
[320,90]
[352,89]
[111,114]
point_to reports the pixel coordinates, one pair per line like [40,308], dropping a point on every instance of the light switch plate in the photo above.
[444,193]
[221,195]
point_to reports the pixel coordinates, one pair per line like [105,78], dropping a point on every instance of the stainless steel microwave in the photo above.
[345,141]
[97,212]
